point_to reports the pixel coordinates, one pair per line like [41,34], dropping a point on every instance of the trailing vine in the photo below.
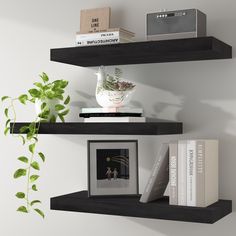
[44,93]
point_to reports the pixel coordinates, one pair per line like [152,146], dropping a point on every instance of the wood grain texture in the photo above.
[130,206]
[155,128]
[205,48]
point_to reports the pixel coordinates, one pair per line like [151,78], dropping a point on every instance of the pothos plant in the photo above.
[53,104]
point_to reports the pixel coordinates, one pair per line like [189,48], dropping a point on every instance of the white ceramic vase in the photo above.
[50,103]
[107,98]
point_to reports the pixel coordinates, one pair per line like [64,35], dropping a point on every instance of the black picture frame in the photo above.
[132,176]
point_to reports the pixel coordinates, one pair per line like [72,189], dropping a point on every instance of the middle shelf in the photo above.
[147,128]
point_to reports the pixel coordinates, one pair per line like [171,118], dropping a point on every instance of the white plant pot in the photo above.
[106,98]
[50,104]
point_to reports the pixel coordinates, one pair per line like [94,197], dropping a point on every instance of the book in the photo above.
[191,173]
[104,41]
[110,114]
[111,110]
[173,173]
[159,177]
[202,172]
[207,190]
[182,172]
[104,35]
[115,119]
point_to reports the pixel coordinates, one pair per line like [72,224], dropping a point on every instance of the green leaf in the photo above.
[23,159]
[64,113]
[23,139]
[4,98]
[42,156]
[7,122]
[60,97]
[61,118]
[23,98]
[32,148]
[34,187]
[39,212]
[39,85]
[34,93]
[20,195]
[52,119]
[19,173]
[22,209]
[34,202]
[6,112]
[43,105]
[24,129]
[59,107]
[44,77]
[7,129]
[35,165]
[33,178]
[63,83]
[67,100]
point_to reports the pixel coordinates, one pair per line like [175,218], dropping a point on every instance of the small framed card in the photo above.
[112,167]
[95,20]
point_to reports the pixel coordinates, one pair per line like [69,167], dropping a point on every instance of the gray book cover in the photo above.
[200,177]
[173,173]
[159,177]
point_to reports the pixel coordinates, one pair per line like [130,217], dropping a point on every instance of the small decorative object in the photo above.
[48,98]
[95,20]
[112,167]
[110,91]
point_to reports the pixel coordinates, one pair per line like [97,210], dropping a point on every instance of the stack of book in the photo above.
[100,115]
[110,36]
[193,172]
[191,168]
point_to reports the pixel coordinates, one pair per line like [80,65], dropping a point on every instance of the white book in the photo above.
[112,110]
[207,191]
[115,119]
[191,173]
[173,173]
[159,177]
[91,42]
[182,172]
[109,33]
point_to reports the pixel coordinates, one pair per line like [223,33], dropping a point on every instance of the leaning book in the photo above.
[159,177]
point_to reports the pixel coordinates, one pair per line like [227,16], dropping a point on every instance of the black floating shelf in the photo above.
[205,48]
[130,206]
[155,128]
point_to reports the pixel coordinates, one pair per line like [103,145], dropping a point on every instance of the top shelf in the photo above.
[192,49]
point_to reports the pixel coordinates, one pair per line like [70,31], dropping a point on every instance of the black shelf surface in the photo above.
[130,206]
[205,48]
[152,128]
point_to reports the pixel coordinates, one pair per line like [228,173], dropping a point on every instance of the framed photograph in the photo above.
[112,167]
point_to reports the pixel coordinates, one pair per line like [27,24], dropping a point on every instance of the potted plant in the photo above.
[50,104]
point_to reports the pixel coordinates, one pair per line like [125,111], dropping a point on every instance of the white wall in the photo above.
[200,94]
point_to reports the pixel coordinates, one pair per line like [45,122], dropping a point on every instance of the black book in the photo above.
[110,114]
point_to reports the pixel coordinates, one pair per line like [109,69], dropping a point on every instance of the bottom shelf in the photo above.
[130,206]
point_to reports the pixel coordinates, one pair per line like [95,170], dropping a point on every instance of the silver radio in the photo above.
[188,23]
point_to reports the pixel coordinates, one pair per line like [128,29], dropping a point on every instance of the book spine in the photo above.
[101,35]
[182,172]
[191,173]
[200,181]
[111,110]
[173,173]
[100,41]
[116,119]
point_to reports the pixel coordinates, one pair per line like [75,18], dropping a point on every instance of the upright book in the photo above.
[202,172]
[159,177]
[173,173]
